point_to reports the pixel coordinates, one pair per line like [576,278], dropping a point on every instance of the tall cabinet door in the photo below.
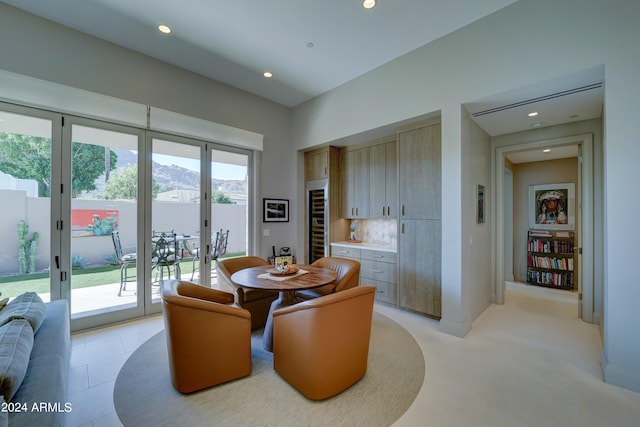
[420,237]
[382,181]
[420,159]
[420,259]
[355,170]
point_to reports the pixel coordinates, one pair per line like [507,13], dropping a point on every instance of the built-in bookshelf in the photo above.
[550,260]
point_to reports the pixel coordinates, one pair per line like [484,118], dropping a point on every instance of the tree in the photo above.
[29,157]
[123,184]
[218,196]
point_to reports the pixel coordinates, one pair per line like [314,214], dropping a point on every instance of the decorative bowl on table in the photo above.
[283,270]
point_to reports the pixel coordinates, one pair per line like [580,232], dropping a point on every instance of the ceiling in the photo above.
[235,41]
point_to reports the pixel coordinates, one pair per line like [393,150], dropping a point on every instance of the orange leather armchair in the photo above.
[348,277]
[208,337]
[257,301]
[321,346]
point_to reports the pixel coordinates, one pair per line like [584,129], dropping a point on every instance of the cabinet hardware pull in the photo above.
[378,256]
[388,211]
[377,271]
[351,211]
[356,211]
[402,210]
[383,211]
[403,228]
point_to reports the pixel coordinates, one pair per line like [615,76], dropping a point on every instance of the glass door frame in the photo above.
[60,257]
[150,306]
[64,192]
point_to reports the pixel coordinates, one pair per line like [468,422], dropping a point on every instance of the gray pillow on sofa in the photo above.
[27,306]
[16,342]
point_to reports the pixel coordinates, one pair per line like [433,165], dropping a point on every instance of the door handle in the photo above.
[57,258]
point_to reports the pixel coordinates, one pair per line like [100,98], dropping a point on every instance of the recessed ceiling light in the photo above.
[164,29]
[368,4]
[546,150]
[533,114]
[267,74]
[309,44]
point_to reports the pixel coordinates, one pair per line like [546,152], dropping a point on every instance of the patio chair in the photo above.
[194,252]
[125,260]
[219,247]
[165,253]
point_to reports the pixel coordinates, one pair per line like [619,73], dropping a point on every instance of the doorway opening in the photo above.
[584,218]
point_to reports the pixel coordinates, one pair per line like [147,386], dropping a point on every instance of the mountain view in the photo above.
[175,177]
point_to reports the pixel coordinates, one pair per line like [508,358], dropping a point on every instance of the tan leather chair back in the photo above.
[348,271]
[227,266]
[321,346]
[208,338]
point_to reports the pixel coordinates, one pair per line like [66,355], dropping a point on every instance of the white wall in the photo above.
[476,237]
[44,50]
[527,42]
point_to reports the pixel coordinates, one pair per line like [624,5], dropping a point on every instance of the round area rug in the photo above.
[144,396]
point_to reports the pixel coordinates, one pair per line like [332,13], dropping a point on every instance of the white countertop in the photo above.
[366,245]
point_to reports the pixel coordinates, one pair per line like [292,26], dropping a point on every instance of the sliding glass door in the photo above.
[229,214]
[100,172]
[175,210]
[87,204]
[26,156]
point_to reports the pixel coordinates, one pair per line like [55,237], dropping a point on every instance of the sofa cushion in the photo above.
[27,306]
[16,342]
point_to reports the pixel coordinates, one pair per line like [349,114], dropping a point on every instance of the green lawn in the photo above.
[12,286]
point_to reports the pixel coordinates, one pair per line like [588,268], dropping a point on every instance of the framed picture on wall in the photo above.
[275,210]
[552,206]
[480,192]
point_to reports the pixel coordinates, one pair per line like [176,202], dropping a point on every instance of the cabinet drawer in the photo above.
[385,292]
[375,270]
[383,256]
[341,251]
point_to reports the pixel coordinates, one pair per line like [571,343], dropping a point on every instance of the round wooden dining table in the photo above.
[308,277]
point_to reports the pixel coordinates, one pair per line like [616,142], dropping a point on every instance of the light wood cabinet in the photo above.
[420,266]
[377,268]
[420,173]
[316,165]
[355,172]
[420,233]
[383,181]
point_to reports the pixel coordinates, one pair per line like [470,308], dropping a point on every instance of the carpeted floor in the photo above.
[144,396]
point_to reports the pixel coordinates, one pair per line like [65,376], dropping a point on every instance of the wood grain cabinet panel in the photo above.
[383,181]
[355,170]
[420,173]
[420,266]
[316,165]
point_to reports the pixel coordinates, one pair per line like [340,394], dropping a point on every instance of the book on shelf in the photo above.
[540,233]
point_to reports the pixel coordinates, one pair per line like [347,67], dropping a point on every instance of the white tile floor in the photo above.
[529,362]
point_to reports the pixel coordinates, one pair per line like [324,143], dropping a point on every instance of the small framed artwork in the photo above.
[552,206]
[275,210]
[480,213]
